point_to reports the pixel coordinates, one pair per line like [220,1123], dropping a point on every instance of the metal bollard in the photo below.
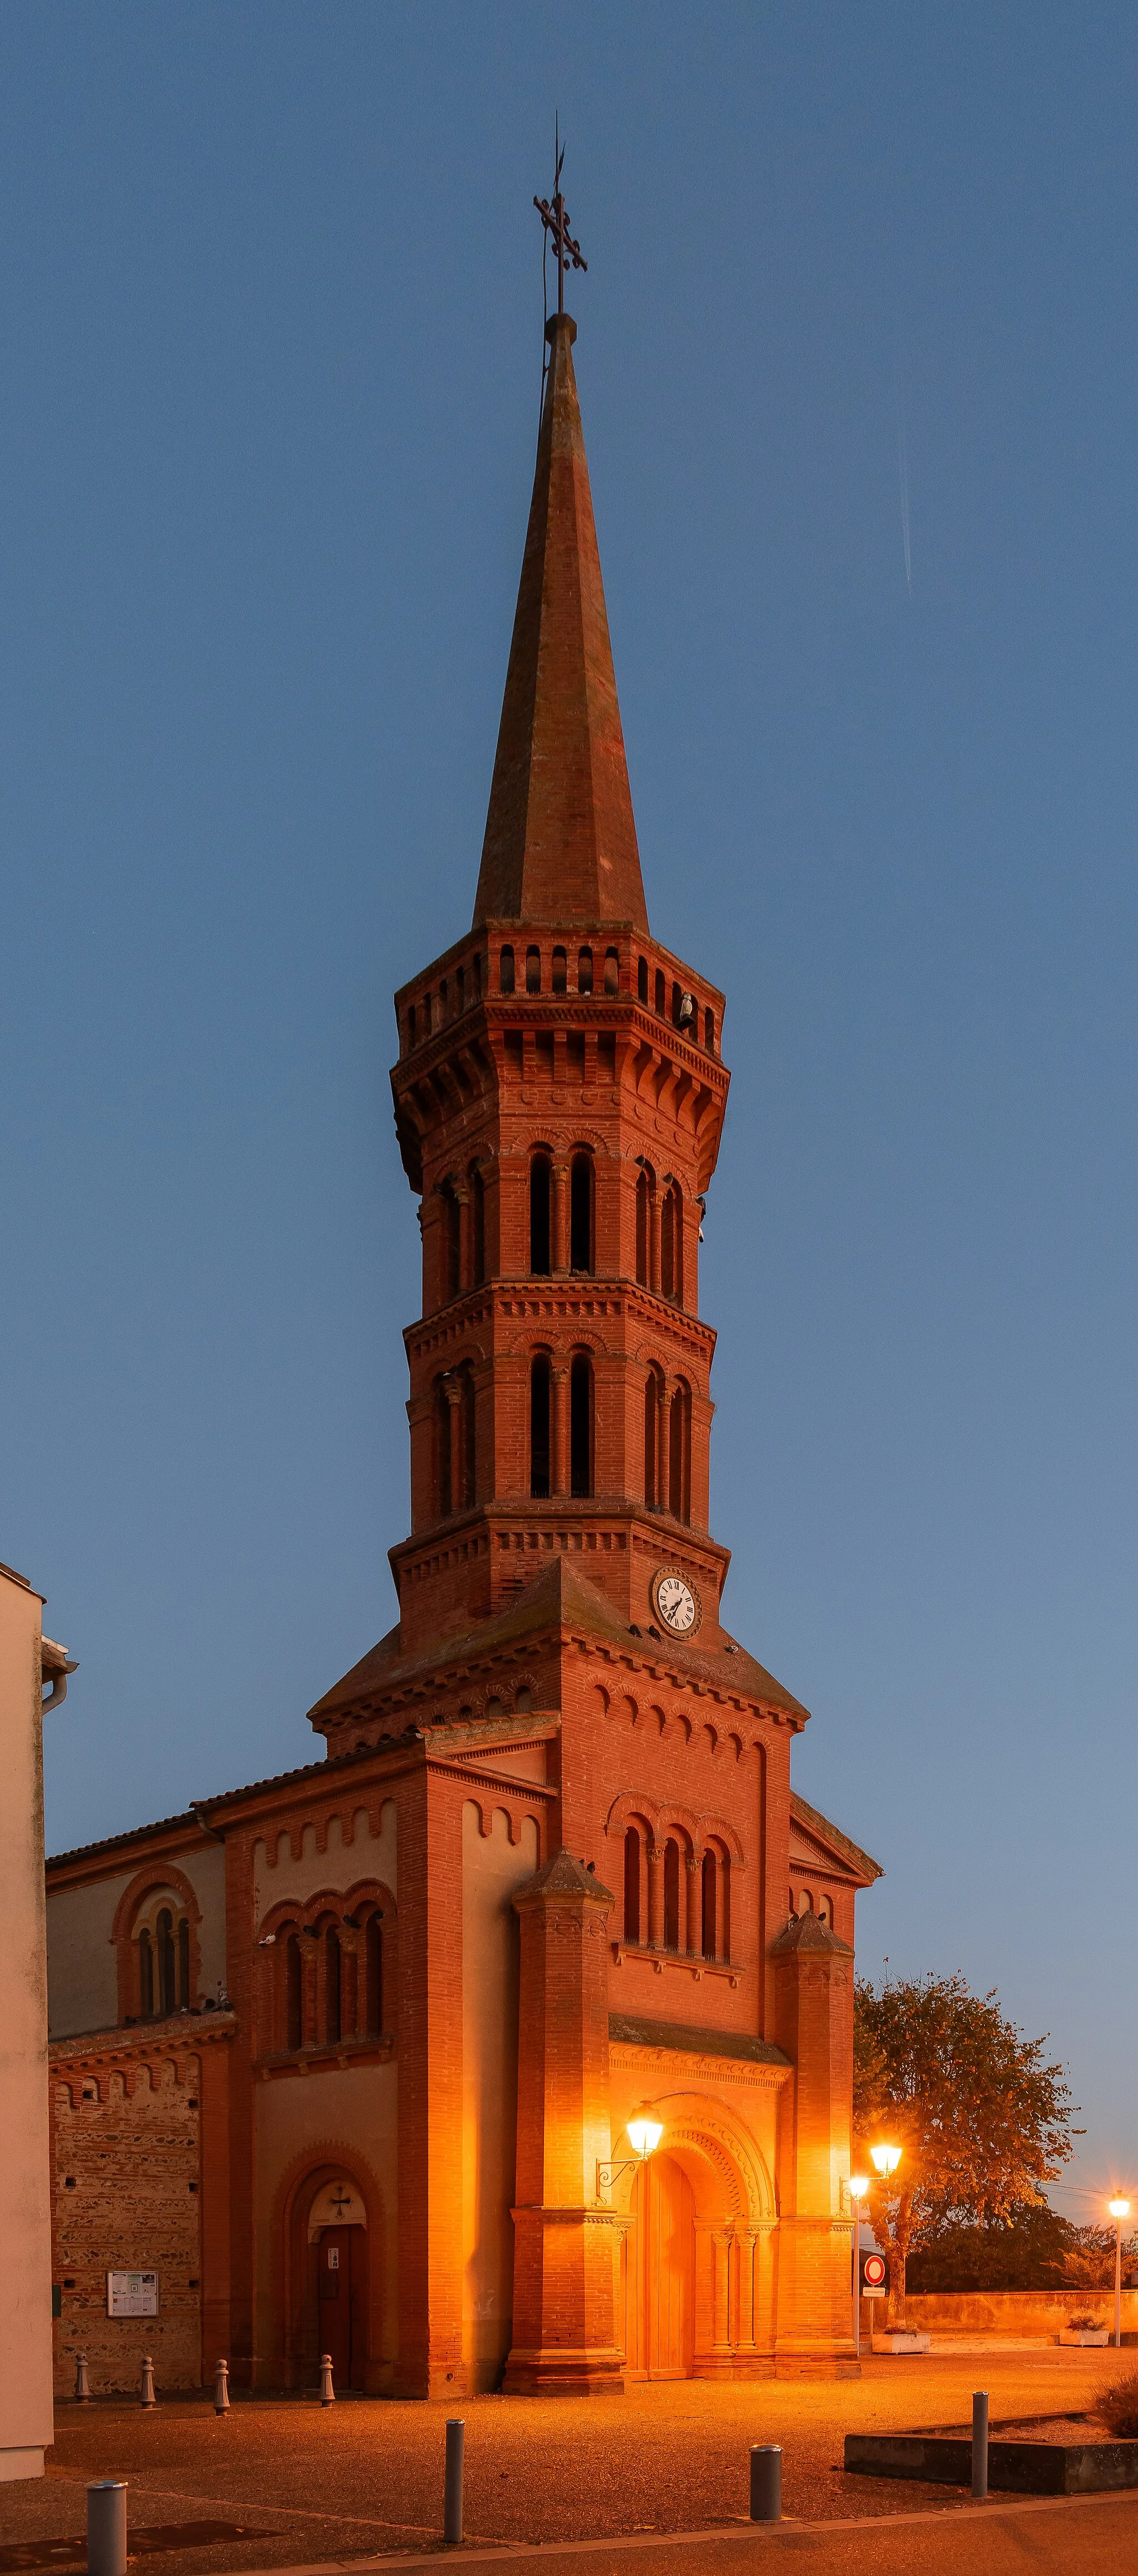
[82,2383]
[148,2397]
[327,2392]
[221,2389]
[106,2527]
[766,2482]
[980,2444]
[452,2499]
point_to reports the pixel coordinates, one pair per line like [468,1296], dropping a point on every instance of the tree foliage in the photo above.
[983,2122]
[1037,2249]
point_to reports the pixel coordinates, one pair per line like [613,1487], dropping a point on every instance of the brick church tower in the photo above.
[549,1881]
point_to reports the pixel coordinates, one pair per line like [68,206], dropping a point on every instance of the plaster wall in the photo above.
[340,2115]
[205,1869]
[492,1867]
[349,1854]
[26,2422]
[82,1973]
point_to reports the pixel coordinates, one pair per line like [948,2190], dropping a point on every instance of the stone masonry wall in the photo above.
[127,2198]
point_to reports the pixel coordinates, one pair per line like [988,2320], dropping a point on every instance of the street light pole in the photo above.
[859,2186]
[1119,2209]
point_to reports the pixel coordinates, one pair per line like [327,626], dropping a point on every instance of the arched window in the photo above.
[643,1225]
[539,1426]
[331,1983]
[826,1910]
[540,1182]
[716,1905]
[560,971]
[671,1895]
[581,1212]
[679,1452]
[478,1224]
[443,999]
[642,980]
[146,1975]
[653,1395]
[581,1424]
[661,992]
[533,970]
[709,1906]
[585,971]
[709,1031]
[428,1014]
[452,1244]
[677,1006]
[460,988]
[293,2015]
[468,1434]
[444,1500]
[184,1965]
[478,976]
[373,1975]
[612,970]
[506,971]
[632,1886]
[672,1244]
[411,1026]
[165,1945]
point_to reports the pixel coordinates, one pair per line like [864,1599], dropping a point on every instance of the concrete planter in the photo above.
[1015,2468]
[901,2343]
[1095,2335]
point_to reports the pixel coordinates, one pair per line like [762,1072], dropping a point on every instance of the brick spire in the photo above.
[560,840]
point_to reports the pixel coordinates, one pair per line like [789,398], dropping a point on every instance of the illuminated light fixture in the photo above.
[644,2135]
[1118,2208]
[885,2159]
[859,2185]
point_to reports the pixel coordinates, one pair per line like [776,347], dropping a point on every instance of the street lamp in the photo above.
[859,2185]
[644,2135]
[1119,2209]
[885,2159]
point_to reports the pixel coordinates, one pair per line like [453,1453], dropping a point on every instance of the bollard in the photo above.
[82,2383]
[221,2389]
[452,2499]
[106,2527]
[327,2392]
[148,2397]
[766,2482]
[980,2444]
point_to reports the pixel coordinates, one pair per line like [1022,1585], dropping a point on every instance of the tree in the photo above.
[1037,2249]
[981,2121]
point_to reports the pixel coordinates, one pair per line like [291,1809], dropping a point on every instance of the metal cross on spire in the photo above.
[555,217]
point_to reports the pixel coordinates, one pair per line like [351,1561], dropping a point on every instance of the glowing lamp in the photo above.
[644,2136]
[1119,2208]
[885,2159]
[859,2185]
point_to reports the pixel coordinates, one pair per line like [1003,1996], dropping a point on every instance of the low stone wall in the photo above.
[1015,2312]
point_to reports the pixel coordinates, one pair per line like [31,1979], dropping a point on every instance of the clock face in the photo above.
[676,1603]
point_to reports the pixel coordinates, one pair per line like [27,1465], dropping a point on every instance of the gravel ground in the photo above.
[364,2477]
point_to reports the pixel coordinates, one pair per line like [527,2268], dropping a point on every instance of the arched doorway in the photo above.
[338,2255]
[659,2273]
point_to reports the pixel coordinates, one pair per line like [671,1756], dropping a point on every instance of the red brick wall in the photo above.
[127,2135]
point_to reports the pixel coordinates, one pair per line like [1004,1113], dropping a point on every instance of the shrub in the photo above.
[1118,2406]
[1085,2325]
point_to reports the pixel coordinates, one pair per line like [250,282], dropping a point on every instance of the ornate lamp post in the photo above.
[1119,2209]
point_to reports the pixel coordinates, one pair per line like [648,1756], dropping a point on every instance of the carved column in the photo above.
[559,1218]
[745,2238]
[564,2337]
[722,2246]
[559,1429]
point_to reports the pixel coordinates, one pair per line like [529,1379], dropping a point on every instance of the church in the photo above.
[509,2043]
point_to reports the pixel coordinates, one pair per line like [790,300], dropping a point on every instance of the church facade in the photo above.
[509,2044]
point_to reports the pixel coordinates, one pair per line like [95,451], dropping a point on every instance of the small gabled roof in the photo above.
[819,1826]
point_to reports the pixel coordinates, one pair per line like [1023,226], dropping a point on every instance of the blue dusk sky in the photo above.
[857,359]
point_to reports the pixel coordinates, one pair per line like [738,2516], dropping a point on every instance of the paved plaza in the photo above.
[292,2484]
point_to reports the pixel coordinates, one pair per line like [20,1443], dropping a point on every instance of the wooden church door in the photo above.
[336,2302]
[660,2274]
